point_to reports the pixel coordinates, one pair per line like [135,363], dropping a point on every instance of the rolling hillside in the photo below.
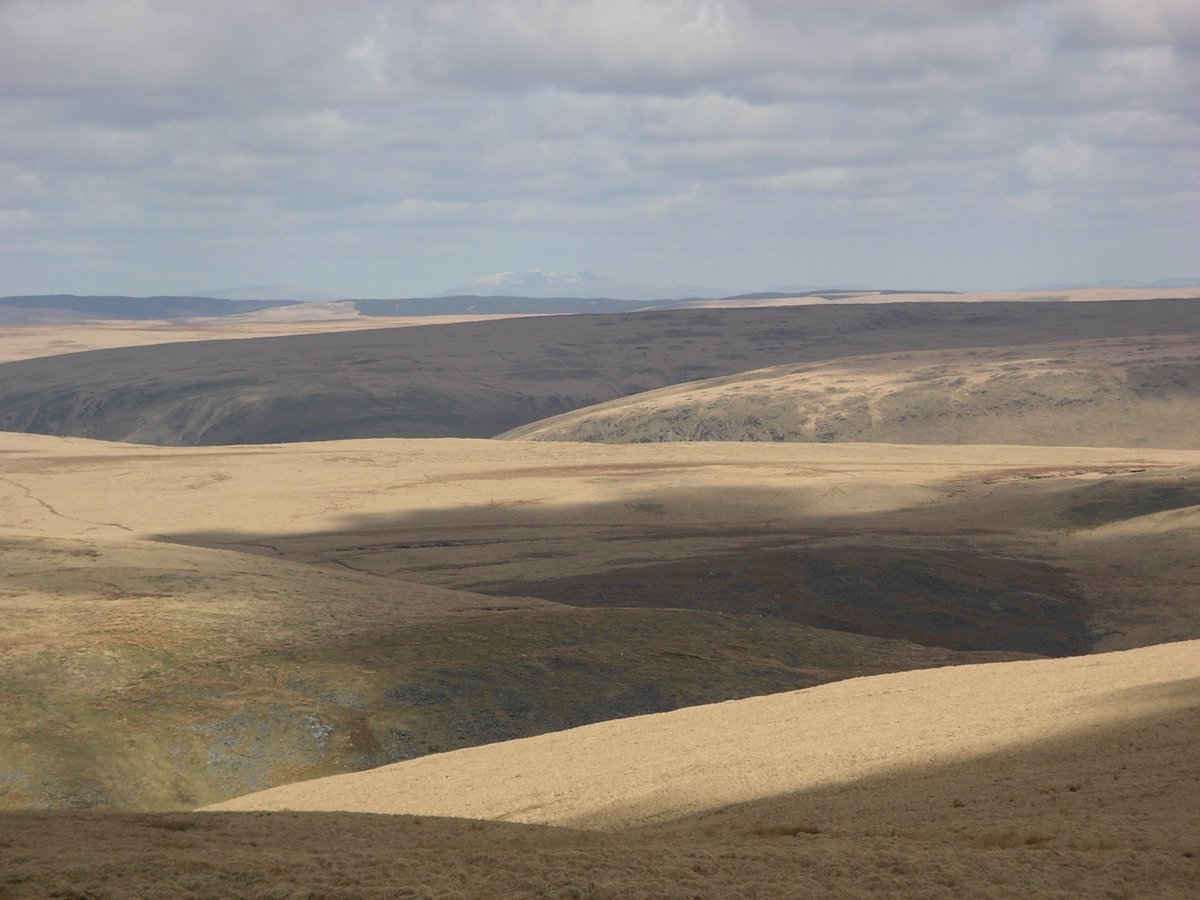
[1130,392]
[182,625]
[1044,778]
[1048,778]
[754,763]
[185,625]
[482,379]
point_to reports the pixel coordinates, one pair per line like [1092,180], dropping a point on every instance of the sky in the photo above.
[387,149]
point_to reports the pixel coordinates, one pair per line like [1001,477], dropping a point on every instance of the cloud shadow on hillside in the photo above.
[867,573]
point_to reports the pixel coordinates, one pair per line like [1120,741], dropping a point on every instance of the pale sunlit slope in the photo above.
[674,765]
[1130,392]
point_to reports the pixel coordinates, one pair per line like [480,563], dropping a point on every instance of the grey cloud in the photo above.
[619,46]
[445,139]
[1115,23]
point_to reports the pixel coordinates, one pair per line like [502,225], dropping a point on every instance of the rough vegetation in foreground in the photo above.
[1107,809]
[347,856]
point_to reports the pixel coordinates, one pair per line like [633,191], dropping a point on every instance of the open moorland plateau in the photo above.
[839,598]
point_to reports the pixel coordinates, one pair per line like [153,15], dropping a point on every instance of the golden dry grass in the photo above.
[506,517]
[162,600]
[52,339]
[760,759]
[1094,793]
[1125,392]
[472,514]
[179,674]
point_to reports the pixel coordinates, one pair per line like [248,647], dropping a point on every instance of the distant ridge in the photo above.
[52,307]
[460,304]
[1163,283]
[480,379]
[830,293]
[500,305]
[559,285]
[269,292]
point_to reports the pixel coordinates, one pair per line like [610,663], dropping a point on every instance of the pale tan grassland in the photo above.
[479,514]
[145,671]
[202,622]
[755,763]
[78,486]
[903,785]
[52,339]
[1125,392]
[470,514]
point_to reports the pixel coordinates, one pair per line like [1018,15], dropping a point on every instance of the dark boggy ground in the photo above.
[947,598]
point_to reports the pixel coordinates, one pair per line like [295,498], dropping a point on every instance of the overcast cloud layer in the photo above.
[395,149]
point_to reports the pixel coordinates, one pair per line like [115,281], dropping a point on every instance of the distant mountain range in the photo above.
[535,291]
[541,283]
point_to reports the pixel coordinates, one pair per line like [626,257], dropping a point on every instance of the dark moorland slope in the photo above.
[479,379]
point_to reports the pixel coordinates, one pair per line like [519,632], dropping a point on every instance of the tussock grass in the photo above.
[785,830]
